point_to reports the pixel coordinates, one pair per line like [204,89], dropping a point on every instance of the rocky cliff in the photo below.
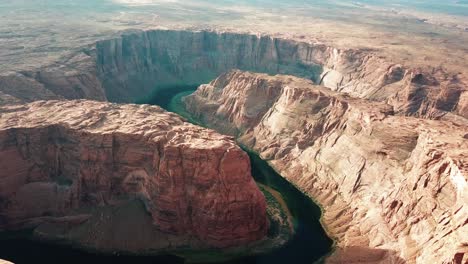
[130,67]
[124,178]
[133,65]
[395,184]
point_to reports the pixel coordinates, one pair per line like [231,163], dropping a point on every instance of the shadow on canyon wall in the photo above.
[161,95]
[136,64]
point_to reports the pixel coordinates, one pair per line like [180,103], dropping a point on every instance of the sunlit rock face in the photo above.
[394,188]
[124,178]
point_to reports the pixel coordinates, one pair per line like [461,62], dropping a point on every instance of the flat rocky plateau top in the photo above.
[152,122]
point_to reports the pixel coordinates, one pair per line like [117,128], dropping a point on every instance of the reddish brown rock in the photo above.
[394,188]
[72,169]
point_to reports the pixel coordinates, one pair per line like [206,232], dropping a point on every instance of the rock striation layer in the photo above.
[125,178]
[394,188]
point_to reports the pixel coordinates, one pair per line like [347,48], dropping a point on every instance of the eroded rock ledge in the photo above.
[391,183]
[124,177]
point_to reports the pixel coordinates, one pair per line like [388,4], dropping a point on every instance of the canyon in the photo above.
[380,145]
[129,67]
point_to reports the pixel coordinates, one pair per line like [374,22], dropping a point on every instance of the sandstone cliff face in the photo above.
[395,184]
[133,65]
[72,168]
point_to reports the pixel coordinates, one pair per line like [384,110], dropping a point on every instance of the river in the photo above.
[309,242]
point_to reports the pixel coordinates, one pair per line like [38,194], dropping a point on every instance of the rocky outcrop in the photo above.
[124,178]
[386,182]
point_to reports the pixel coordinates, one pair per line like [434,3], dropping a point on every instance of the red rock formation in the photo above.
[387,183]
[65,163]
